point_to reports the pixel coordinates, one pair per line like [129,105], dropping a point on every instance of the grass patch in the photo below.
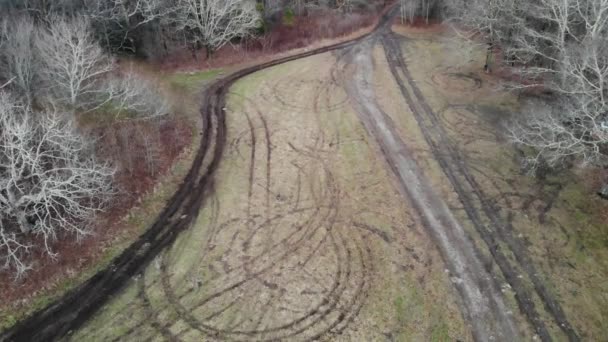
[193,80]
[401,310]
[440,333]
[107,114]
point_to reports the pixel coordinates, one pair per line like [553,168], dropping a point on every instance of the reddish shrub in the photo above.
[142,151]
[303,32]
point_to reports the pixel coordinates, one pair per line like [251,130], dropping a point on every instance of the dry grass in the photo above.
[142,199]
[302,206]
[559,220]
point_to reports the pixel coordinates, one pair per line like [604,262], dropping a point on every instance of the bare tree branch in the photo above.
[133,95]
[50,184]
[560,46]
[17,57]
[74,63]
[214,23]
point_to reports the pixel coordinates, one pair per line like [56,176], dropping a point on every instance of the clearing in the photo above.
[367,194]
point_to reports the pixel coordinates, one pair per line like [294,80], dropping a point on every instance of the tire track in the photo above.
[337,310]
[453,164]
[73,309]
[482,300]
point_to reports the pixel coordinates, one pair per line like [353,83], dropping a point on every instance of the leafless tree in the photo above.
[214,23]
[561,48]
[134,95]
[119,19]
[7,83]
[50,185]
[152,151]
[497,19]
[413,8]
[17,57]
[73,62]
[570,60]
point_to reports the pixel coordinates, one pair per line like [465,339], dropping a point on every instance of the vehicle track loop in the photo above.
[73,309]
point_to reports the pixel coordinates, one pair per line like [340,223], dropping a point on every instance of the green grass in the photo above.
[440,333]
[105,115]
[193,80]
[401,311]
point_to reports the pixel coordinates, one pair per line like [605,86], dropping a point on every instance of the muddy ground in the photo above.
[367,194]
[542,240]
[306,237]
[348,178]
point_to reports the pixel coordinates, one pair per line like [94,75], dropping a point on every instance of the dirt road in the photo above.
[480,297]
[496,233]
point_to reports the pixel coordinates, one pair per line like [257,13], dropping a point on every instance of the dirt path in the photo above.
[478,285]
[298,234]
[480,297]
[495,232]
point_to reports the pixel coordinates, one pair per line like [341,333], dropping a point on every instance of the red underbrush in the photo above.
[142,151]
[303,32]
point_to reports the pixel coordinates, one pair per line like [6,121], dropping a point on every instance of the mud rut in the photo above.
[495,232]
[285,246]
[506,250]
[330,313]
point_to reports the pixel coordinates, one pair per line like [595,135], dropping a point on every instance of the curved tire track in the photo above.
[74,308]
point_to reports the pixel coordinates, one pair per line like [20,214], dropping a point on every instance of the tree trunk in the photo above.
[209,51]
[19,215]
[193,51]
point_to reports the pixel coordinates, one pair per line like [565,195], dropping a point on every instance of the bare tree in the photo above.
[567,56]
[557,132]
[498,20]
[73,62]
[133,95]
[413,8]
[17,57]
[119,20]
[50,185]
[214,23]
[561,48]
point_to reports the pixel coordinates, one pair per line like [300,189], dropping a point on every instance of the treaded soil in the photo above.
[498,231]
[73,309]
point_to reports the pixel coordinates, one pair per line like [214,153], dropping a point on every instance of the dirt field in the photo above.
[306,236]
